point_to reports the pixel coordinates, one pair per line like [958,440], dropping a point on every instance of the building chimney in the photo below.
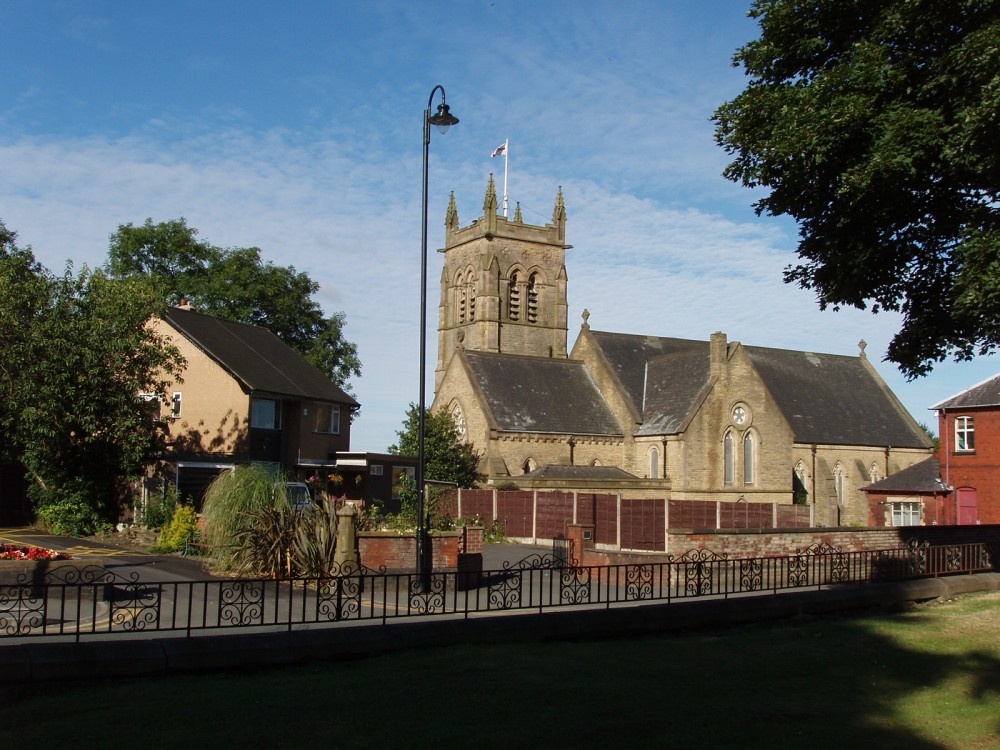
[719,353]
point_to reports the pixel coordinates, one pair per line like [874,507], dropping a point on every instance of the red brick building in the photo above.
[969,426]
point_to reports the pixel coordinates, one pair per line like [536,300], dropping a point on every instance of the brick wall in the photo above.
[378,549]
[790,541]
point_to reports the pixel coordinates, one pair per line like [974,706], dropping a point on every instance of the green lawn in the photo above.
[927,677]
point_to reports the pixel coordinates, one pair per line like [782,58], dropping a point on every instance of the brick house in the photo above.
[915,496]
[969,426]
[648,416]
[246,396]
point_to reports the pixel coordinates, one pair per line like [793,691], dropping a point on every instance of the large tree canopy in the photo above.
[235,284]
[77,357]
[875,125]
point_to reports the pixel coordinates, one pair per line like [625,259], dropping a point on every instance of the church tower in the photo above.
[503,287]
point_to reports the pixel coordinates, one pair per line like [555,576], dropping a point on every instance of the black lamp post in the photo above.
[443,120]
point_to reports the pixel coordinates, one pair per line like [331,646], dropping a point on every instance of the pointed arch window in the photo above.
[874,475]
[749,458]
[514,297]
[529,465]
[838,483]
[470,294]
[533,298]
[654,463]
[729,459]
[460,299]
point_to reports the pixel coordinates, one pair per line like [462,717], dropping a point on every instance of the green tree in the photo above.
[236,284]
[78,354]
[874,124]
[448,458]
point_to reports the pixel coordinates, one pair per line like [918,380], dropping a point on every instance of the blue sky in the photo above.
[297,128]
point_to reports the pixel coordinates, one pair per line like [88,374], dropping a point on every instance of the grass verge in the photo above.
[922,678]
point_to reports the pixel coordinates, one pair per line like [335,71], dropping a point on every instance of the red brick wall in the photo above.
[377,549]
[979,469]
[768,543]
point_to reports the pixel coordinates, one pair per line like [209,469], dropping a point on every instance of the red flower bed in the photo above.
[11,552]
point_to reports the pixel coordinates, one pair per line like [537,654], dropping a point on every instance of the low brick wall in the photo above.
[778,542]
[450,550]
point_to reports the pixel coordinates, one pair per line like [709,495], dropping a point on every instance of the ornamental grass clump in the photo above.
[232,503]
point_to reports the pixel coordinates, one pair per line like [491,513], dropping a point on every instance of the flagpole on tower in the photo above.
[496,152]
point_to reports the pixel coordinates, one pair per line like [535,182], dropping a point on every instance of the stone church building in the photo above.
[640,415]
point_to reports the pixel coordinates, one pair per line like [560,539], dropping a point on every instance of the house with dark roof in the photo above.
[246,396]
[647,416]
[969,453]
[915,496]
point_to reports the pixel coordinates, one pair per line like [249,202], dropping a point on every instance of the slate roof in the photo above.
[986,393]
[922,477]
[256,358]
[537,394]
[556,471]
[826,398]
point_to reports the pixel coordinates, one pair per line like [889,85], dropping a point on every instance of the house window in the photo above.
[965,436]
[175,405]
[654,463]
[904,513]
[375,470]
[265,414]
[729,459]
[749,458]
[326,418]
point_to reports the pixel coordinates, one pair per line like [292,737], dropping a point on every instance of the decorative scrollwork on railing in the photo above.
[751,574]
[953,557]
[134,607]
[638,582]
[426,593]
[505,590]
[798,570]
[21,609]
[574,585]
[537,562]
[241,602]
[918,556]
[339,598]
[836,558]
[699,569]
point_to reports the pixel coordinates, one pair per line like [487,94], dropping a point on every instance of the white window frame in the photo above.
[905,513]
[175,405]
[375,470]
[965,435]
[331,424]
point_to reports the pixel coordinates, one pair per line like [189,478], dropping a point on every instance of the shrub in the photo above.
[67,512]
[315,540]
[183,526]
[158,509]
[264,544]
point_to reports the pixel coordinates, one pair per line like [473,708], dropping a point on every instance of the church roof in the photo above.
[986,393]
[538,394]
[826,398]
[557,471]
[922,477]
[255,357]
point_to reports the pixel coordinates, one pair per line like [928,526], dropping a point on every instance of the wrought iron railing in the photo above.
[77,603]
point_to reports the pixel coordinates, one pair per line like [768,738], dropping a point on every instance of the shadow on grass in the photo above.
[886,681]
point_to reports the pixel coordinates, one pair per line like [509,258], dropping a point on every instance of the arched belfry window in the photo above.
[514,296]
[470,293]
[533,298]
[529,465]
[460,299]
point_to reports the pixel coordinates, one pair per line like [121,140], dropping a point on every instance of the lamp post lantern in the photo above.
[442,120]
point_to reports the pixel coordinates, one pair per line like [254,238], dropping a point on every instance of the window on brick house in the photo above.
[904,513]
[965,435]
[326,418]
[265,414]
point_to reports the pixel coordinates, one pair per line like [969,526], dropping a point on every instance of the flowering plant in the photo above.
[26,552]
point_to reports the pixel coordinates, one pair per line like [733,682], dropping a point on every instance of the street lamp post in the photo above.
[443,120]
